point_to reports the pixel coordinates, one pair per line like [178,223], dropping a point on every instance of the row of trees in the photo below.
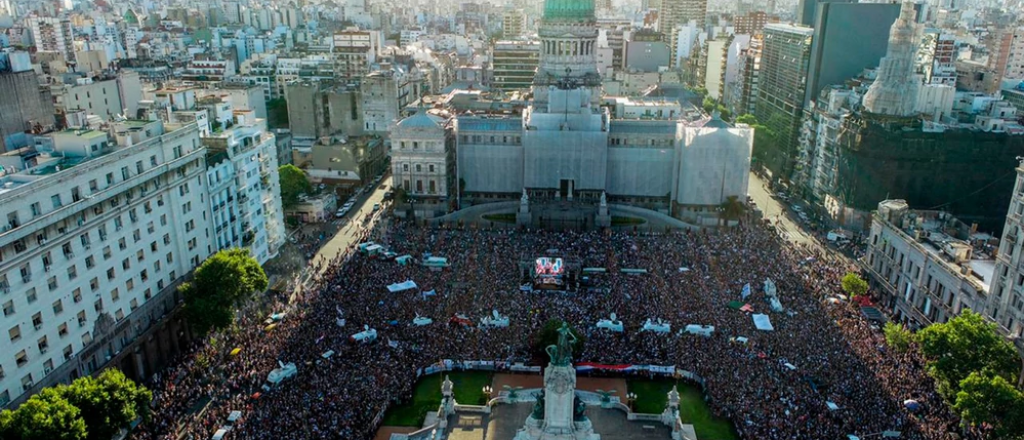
[974,368]
[88,409]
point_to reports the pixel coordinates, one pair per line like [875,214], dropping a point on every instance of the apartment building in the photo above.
[100,228]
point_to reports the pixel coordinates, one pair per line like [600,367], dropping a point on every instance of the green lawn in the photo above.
[501,218]
[625,221]
[427,396]
[652,395]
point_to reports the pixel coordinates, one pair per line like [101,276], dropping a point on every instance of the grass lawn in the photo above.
[625,221]
[501,218]
[652,395]
[427,396]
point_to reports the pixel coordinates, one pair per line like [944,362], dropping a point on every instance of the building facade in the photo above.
[514,64]
[927,264]
[96,229]
[782,82]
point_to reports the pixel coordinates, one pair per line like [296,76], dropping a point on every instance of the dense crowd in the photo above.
[691,277]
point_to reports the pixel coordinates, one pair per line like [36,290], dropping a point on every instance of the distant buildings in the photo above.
[513,64]
[24,107]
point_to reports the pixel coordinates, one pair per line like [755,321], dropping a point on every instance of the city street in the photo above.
[352,226]
[774,209]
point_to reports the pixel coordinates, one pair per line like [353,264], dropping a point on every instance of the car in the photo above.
[797,208]
[376,207]
[341,212]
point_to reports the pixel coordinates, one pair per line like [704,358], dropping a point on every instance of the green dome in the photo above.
[578,10]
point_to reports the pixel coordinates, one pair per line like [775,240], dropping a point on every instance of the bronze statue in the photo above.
[561,354]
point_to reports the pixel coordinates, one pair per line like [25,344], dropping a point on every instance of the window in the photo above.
[72,273]
[36,210]
[419,186]
[431,168]
[37,320]
[106,252]
[93,187]
[90,262]
[9,308]
[62,330]
[115,294]
[94,284]
[58,307]
[98,305]
[77,295]
[52,283]
[56,201]
[121,244]
[405,167]
[68,351]
[144,275]
[81,318]
[119,315]
[125,264]
[43,344]
[110,273]
[68,252]
[419,168]
[14,333]
[31,295]
[22,358]
[138,167]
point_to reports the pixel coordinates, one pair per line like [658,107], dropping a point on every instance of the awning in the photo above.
[873,314]
[404,285]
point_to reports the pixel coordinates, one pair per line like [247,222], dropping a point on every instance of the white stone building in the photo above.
[925,273]
[423,157]
[97,234]
[1006,303]
[245,198]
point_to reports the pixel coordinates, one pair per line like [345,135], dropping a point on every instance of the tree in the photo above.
[222,281]
[548,335]
[732,208]
[293,183]
[966,344]
[277,113]
[107,403]
[898,337]
[747,118]
[990,399]
[854,285]
[45,416]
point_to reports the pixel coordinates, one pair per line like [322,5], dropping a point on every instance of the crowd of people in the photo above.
[778,385]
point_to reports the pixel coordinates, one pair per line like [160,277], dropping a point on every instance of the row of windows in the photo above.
[419,168]
[507,140]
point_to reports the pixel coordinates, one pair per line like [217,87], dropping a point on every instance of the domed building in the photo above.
[572,143]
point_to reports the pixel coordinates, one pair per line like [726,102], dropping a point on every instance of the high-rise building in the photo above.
[514,64]
[24,107]
[53,35]
[782,82]
[1006,52]
[752,23]
[807,10]
[354,51]
[937,56]
[100,229]
[896,86]
[848,38]
[744,95]
[677,14]
[1006,299]
[245,193]
[513,23]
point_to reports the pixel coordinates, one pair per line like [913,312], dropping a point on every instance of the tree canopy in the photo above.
[45,416]
[108,403]
[88,409]
[733,208]
[293,184]
[223,280]
[989,399]
[966,344]
[854,285]
[898,337]
[277,113]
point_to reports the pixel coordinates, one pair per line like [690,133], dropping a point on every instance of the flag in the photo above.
[321,338]
[429,293]
[392,344]
[746,291]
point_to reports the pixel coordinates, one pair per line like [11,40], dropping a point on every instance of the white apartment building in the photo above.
[354,51]
[53,35]
[106,98]
[929,265]
[1006,303]
[245,194]
[97,234]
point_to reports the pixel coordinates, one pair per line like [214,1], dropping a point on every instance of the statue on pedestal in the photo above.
[561,354]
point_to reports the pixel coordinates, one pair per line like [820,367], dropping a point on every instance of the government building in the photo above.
[568,141]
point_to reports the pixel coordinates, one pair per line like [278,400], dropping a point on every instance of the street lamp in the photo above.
[630,398]
[487,393]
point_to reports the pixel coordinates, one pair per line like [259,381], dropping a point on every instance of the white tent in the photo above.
[763,323]
[405,285]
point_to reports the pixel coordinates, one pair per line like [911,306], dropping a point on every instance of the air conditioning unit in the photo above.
[37,326]
[46,268]
[81,323]
[42,242]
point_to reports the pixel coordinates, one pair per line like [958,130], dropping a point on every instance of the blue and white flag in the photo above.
[746,291]
[429,293]
[392,344]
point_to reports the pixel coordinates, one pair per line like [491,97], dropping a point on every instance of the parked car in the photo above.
[376,207]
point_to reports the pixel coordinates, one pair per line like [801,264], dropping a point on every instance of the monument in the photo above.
[603,220]
[523,216]
[559,414]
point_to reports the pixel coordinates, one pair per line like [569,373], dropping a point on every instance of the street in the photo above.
[352,226]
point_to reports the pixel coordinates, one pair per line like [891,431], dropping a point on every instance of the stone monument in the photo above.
[603,219]
[523,216]
[559,413]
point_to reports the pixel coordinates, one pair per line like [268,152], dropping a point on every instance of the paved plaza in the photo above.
[505,420]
